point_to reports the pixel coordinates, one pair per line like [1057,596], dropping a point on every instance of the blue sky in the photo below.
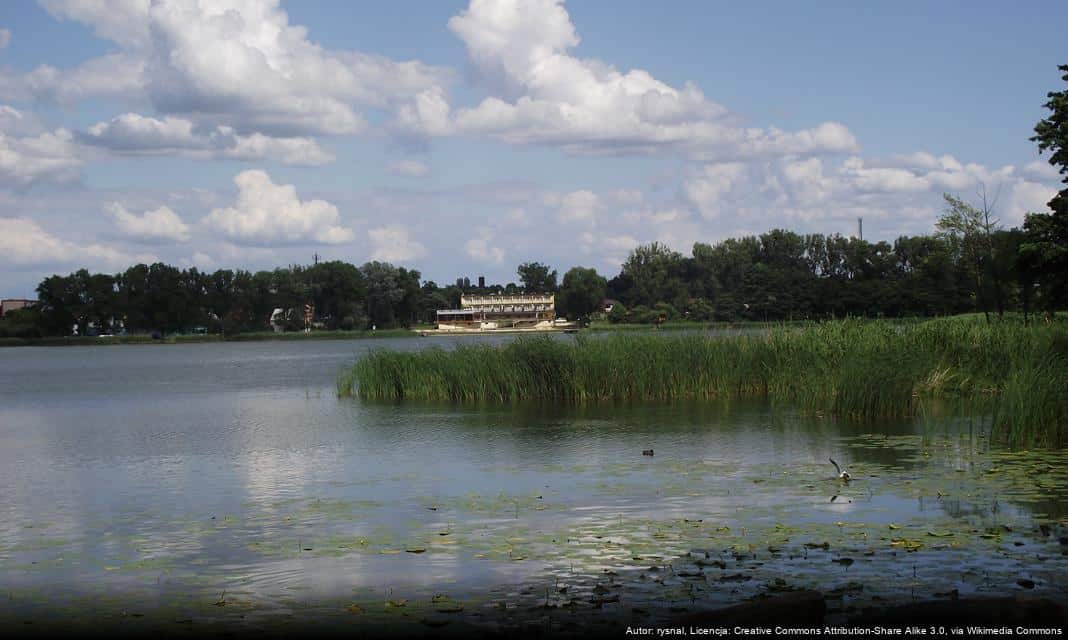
[464,138]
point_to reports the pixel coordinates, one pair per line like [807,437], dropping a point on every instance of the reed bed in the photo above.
[860,369]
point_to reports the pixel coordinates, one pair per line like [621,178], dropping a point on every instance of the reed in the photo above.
[862,369]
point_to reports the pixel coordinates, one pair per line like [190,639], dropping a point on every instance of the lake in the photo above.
[225,485]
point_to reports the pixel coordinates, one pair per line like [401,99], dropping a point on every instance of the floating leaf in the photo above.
[906,544]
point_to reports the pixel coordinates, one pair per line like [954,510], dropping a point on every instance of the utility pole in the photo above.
[316,257]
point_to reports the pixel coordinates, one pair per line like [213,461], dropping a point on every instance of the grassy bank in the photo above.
[855,368]
[67,341]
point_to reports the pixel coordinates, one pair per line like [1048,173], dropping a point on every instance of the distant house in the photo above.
[11,304]
[524,311]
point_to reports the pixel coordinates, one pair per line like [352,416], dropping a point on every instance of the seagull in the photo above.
[842,475]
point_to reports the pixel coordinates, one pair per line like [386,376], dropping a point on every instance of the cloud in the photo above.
[579,206]
[794,189]
[154,225]
[480,249]
[121,21]
[27,157]
[257,146]
[517,217]
[115,75]
[541,94]
[1027,197]
[629,197]
[393,244]
[707,191]
[619,243]
[1039,170]
[237,63]
[23,243]
[134,134]
[269,214]
[131,132]
[409,168]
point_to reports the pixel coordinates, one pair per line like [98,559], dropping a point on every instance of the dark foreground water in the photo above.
[222,486]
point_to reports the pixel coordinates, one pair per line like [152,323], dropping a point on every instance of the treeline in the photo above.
[165,299]
[779,275]
[782,275]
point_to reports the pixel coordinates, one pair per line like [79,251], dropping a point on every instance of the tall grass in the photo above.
[852,368]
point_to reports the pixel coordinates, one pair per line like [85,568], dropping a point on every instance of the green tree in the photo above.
[580,293]
[537,277]
[970,231]
[656,275]
[22,323]
[392,294]
[1045,249]
[55,303]
[337,292]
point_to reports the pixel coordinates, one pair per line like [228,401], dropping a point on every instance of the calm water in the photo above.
[214,483]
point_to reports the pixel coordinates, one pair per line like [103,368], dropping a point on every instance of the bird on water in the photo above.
[842,475]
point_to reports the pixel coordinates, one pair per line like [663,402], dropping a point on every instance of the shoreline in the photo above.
[598,326]
[140,339]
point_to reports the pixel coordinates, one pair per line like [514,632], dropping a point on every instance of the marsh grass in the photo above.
[859,369]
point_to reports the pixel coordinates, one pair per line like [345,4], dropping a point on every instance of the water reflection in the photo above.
[173,474]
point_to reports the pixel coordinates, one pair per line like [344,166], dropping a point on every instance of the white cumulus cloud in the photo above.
[268,214]
[393,243]
[481,249]
[28,155]
[579,206]
[237,63]
[132,133]
[542,94]
[153,225]
[23,243]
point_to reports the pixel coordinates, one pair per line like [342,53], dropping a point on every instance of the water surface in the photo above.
[227,483]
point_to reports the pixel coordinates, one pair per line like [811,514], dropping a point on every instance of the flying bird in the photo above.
[842,475]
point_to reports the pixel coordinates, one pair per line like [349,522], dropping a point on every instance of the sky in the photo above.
[462,139]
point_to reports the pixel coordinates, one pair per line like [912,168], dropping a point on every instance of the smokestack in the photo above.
[860,228]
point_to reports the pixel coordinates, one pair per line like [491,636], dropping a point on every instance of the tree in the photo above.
[337,293]
[56,303]
[537,278]
[970,231]
[1045,252]
[1045,249]
[581,293]
[1051,134]
[392,294]
[656,274]
[22,323]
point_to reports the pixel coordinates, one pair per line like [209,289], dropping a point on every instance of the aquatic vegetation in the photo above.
[853,368]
